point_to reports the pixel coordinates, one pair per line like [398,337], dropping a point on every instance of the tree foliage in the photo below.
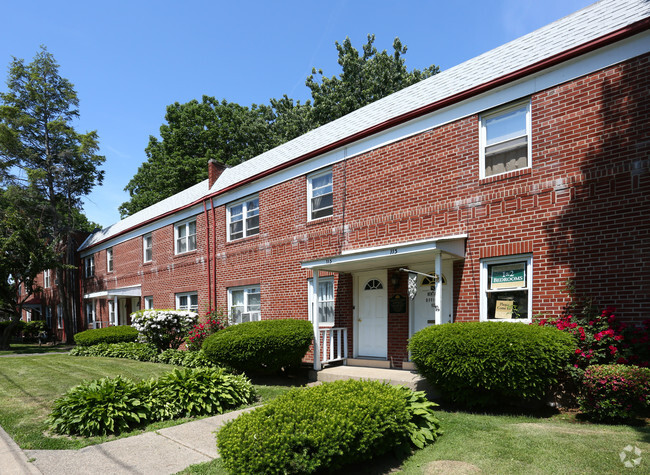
[195,132]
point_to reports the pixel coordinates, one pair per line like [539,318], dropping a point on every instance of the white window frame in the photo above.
[310,192]
[254,315]
[189,306]
[59,316]
[485,263]
[89,265]
[147,245]
[109,259]
[185,225]
[246,231]
[46,278]
[112,312]
[310,292]
[48,316]
[483,134]
[148,302]
[90,314]
[28,315]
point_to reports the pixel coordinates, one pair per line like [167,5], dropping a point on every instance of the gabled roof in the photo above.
[585,26]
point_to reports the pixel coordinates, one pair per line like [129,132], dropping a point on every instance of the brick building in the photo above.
[472,195]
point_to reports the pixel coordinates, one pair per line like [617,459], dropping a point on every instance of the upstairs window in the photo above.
[147,247]
[185,236]
[244,218]
[187,301]
[46,278]
[320,195]
[505,140]
[109,259]
[244,303]
[90,266]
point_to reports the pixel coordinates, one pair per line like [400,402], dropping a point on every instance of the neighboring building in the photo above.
[484,188]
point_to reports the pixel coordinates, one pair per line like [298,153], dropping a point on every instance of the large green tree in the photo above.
[38,140]
[195,132]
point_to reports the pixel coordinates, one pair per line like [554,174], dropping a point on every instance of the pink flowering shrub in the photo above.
[213,321]
[614,392]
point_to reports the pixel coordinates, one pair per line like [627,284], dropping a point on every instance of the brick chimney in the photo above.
[215,169]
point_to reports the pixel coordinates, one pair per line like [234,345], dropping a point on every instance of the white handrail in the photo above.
[334,344]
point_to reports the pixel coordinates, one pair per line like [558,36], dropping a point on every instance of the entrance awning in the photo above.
[393,255]
[132,291]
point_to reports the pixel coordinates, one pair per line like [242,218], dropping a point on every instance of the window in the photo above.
[90,266]
[109,259]
[148,303]
[325,299]
[505,140]
[147,247]
[506,288]
[90,314]
[185,236]
[46,278]
[244,218]
[112,312]
[28,315]
[319,192]
[48,317]
[59,316]
[187,301]
[244,304]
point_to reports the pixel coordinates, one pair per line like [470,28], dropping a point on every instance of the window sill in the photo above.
[243,239]
[147,263]
[186,253]
[527,321]
[324,219]
[505,176]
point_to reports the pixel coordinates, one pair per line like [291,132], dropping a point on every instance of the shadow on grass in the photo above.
[26,349]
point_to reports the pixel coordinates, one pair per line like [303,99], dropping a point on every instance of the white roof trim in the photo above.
[131,291]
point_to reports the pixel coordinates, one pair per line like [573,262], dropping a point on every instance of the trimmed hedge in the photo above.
[325,427]
[266,346]
[486,363]
[117,334]
[129,350]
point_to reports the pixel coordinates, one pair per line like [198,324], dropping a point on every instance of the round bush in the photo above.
[260,347]
[486,363]
[324,427]
[118,334]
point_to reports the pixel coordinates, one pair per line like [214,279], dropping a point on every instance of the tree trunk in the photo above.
[5,338]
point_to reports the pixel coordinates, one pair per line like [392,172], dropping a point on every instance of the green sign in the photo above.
[508,276]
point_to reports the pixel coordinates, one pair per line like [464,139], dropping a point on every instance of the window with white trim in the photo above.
[187,301]
[147,247]
[505,139]
[244,304]
[244,218]
[46,278]
[109,259]
[28,315]
[90,314]
[325,300]
[185,236]
[320,196]
[59,316]
[90,266]
[148,303]
[506,290]
[48,317]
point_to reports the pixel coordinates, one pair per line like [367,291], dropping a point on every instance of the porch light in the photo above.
[395,278]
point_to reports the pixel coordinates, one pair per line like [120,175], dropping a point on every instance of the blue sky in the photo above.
[129,59]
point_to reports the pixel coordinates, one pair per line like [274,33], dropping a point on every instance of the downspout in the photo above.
[207,241]
[214,256]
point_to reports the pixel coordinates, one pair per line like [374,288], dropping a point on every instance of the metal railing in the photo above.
[334,344]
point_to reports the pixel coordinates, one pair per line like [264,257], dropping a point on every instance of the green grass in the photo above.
[28,348]
[512,445]
[30,384]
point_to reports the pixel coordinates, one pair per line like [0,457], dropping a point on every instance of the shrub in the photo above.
[614,392]
[196,392]
[34,328]
[482,363]
[189,359]
[266,346]
[214,321]
[131,350]
[118,334]
[322,427]
[164,328]
[104,406]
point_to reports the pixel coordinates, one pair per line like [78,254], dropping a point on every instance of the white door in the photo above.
[372,315]
[424,302]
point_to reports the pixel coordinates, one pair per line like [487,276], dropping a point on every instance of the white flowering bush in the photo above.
[164,328]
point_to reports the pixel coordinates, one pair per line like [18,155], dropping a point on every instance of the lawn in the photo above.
[28,348]
[29,385]
[509,444]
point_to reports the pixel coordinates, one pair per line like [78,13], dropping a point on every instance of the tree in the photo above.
[363,79]
[60,164]
[25,251]
[229,133]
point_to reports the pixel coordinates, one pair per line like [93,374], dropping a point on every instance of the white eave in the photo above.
[131,291]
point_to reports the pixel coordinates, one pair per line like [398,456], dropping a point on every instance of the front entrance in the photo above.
[423,305]
[372,314]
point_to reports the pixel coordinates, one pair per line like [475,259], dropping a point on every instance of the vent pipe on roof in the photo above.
[215,169]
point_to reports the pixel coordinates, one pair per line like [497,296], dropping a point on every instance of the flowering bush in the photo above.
[164,328]
[214,321]
[614,392]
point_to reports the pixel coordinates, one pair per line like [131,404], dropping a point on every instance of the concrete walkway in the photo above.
[165,451]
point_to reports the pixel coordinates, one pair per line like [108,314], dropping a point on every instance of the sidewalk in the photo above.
[165,451]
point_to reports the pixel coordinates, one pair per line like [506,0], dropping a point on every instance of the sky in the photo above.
[128,60]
